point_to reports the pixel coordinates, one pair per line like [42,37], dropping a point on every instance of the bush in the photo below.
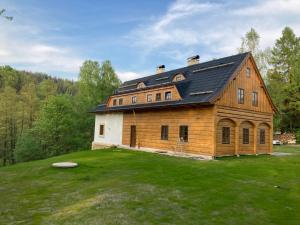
[28,148]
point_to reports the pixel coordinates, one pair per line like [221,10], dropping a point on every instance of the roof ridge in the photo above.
[181,68]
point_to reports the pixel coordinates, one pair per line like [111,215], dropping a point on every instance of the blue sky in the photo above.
[56,36]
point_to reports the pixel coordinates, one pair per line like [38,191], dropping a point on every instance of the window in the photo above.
[149,98]
[101,130]
[141,85]
[245,135]
[225,135]
[158,97]
[178,77]
[248,72]
[121,101]
[184,133]
[168,95]
[164,133]
[133,99]
[115,102]
[262,136]
[254,98]
[241,95]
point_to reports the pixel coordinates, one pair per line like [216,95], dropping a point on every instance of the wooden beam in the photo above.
[255,139]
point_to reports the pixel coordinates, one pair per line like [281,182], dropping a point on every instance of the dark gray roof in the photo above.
[204,81]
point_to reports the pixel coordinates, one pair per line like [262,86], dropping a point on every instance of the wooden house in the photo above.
[215,108]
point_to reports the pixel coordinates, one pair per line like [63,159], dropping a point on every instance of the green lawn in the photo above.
[128,187]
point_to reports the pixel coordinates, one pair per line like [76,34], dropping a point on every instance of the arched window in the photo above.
[141,85]
[178,77]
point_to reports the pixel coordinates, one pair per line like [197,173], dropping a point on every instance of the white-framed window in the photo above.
[178,77]
[158,97]
[248,72]
[254,98]
[241,95]
[133,99]
[149,97]
[141,85]
[168,95]
[101,130]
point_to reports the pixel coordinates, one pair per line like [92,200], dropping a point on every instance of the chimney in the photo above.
[193,60]
[160,69]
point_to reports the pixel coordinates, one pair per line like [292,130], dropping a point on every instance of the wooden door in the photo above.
[133,136]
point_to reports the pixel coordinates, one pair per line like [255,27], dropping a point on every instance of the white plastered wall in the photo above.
[113,129]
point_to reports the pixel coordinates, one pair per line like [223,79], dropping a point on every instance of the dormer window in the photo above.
[168,95]
[133,99]
[178,77]
[141,85]
[158,97]
[149,98]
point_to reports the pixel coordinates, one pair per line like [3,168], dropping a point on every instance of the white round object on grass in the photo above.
[64,164]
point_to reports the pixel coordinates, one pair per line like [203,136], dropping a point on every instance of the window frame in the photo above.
[156,99]
[166,94]
[184,134]
[134,99]
[115,102]
[120,101]
[254,98]
[149,98]
[248,72]
[262,141]
[164,132]
[241,96]
[225,135]
[246,136]
[103,129]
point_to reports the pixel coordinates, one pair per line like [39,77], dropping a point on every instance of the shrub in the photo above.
[28,148]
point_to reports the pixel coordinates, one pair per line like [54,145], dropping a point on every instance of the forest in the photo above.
[43,116]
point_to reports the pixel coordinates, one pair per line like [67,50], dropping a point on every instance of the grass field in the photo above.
[128,187]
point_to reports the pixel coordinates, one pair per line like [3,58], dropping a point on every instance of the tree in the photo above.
[56,126]
[284,79]
[250,43]
[285,56]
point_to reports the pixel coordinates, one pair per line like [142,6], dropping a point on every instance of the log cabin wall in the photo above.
[142,96]
[244,115]
[200,122]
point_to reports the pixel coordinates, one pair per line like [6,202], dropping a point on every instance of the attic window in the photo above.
[178,77]
[141,85]
[248,72]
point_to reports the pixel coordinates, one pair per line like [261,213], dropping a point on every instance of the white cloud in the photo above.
[214,29]
[23,45]
[127,75]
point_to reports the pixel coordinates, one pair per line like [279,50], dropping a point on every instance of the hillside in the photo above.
[126,187]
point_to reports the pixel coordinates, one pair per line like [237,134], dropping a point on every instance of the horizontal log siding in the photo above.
[243,119]
[148,124]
